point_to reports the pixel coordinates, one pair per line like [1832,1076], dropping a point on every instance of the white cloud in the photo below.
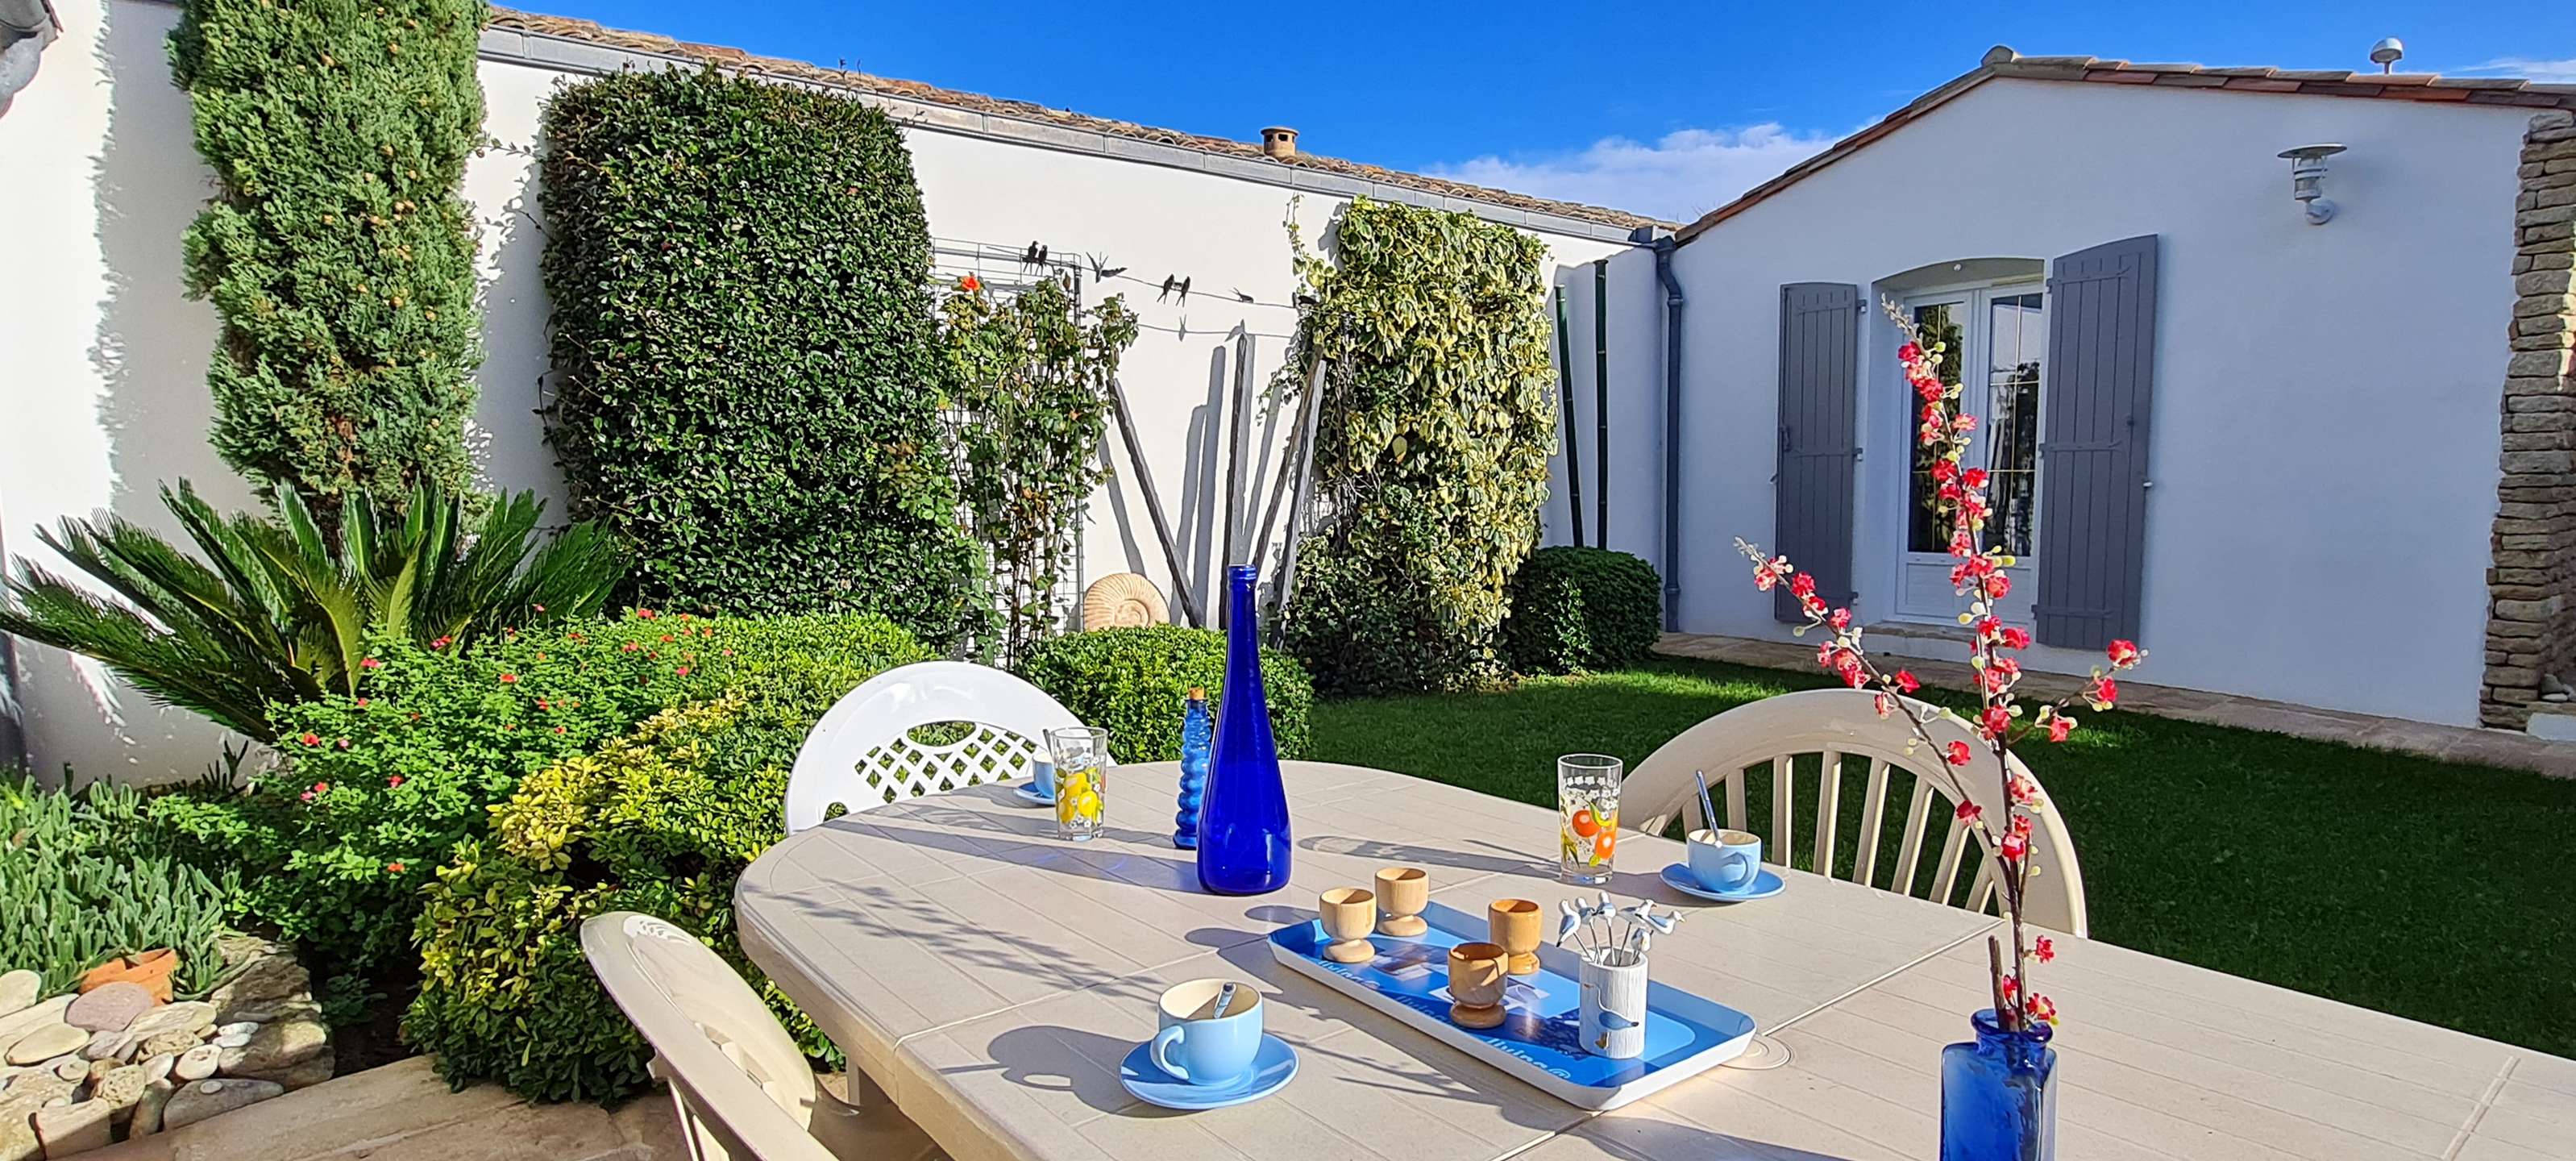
[1683,175]
[2554,72]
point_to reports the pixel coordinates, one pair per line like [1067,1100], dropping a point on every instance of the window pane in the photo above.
[2012,434]
[1939,323]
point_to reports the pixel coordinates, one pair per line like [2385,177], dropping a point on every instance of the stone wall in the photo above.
[2531,626]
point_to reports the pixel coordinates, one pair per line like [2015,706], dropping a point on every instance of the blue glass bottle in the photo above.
[1243,825]
[1997,1103]
[1198,735]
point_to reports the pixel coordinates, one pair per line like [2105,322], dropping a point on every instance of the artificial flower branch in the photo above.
[1947,432]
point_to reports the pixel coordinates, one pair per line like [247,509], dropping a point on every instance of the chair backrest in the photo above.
[1841,724]
[861,754]
[742,1088]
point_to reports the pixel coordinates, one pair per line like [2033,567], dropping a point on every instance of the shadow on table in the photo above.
[1060,1059]
[1504,860]
[1656,1137]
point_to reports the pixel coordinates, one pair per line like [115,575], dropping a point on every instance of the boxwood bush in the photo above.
[1134,683]
[747,361]
[1582,608]
[662,821]
[377,788]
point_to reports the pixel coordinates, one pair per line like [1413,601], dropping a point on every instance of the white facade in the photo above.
[105,371]
[2323,443]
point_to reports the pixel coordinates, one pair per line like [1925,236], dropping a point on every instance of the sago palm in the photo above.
[272,610]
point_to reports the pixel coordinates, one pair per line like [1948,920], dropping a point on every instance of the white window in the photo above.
[1995,338]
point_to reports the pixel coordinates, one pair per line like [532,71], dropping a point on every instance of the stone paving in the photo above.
[2510,749]
[403,1112]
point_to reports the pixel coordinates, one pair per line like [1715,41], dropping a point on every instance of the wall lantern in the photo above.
[2307,180]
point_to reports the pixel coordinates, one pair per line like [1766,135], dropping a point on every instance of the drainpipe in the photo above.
[1664,246]
[1601,402]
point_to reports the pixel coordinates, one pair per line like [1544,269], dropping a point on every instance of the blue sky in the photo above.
[1661,108]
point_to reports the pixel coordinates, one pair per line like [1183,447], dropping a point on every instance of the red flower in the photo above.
[394,781]
[393,868]
[2043,949]
[1905,682]
[361,703]
[1995,721]
[2060,725]
[2105,692]
[306,796]
[2016,638]
[1803,585]
[2124,654]
[541,608]
[321,788]
[646,614]
[684,671]
[344,743]
[1841,619]
[1969,811]
[441,643]
[1973,477]
[2014,847]
[1964,423]
[1956,754]
[970,284]
[509,678]
[1886,705]
[667,638]
[1909,353]
[309,739]
[371,663]
[2040,1009]
[1997,584]
[1943,471]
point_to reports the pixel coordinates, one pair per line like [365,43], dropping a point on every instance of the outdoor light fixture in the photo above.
[2307,180]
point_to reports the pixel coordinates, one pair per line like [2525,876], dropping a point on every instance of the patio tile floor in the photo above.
[2449,743]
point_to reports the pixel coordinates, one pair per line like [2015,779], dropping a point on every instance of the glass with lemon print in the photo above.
[1081,780]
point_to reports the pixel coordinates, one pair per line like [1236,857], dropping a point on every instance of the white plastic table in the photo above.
[991,977]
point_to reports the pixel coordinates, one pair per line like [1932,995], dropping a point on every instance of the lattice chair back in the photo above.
[742,1088]
[862,754]
[1776,736]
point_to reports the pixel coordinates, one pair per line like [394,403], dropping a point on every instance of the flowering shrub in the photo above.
[378,786]
[1944,433]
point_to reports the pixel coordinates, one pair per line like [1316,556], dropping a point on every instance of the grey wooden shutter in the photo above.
[1819,405]
[2093,450]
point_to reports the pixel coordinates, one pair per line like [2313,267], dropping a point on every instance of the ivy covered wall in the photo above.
[337,249]
[1431,454]
[747,355]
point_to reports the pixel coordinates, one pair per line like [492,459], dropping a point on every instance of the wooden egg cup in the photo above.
[1514,924]
[1403,892]
[1349,915]
[1476,984]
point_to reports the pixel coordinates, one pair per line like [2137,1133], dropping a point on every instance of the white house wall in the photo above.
[2325,412]
[106,360]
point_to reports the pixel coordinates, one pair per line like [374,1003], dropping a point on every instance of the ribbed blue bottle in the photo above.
[1243,825]
[1198,737]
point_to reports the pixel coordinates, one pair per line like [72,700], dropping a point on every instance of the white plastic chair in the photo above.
[1844,723]
[742,1088]
[861,755]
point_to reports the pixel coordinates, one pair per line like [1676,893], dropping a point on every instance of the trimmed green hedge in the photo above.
[1134,683]
[1582,608]
[1431,450]
[378,788]
[337,250]
[748,368]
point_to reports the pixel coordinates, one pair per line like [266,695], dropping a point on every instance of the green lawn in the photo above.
[2437,891]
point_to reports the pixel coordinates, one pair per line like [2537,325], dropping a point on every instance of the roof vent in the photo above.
[2387,53]
[1279,141]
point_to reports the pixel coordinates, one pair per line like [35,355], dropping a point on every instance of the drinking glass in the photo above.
[1587,808]
[1081,779]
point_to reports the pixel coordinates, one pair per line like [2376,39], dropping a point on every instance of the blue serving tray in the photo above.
[1538,1040]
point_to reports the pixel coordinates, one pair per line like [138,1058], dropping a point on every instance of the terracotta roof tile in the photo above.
[737,59]
[2001,61]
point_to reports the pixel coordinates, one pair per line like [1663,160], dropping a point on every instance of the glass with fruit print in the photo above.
[1081,780]
[1587,807]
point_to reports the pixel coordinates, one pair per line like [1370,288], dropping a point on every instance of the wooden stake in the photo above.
[1995,982]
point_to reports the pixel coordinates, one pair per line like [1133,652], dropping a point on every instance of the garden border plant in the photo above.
[1431,450]
[1576,608]
[1135,681]
[338,250]
[746,350]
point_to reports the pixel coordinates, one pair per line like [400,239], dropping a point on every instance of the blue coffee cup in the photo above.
[1199,1044]
[1042,776]
[1726,860]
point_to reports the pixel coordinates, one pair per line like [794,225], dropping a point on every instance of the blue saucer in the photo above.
[1678,877]
[1028,793]
[1272,1068]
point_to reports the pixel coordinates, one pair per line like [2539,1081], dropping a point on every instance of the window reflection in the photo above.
[1939,322]
[2014,343]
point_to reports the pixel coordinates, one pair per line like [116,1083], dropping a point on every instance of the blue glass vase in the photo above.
[1997,1102]
[1198,737]
[1243,824]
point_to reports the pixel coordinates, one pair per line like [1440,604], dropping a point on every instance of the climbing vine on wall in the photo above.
[337,248]
[1431,453]
[1029,377]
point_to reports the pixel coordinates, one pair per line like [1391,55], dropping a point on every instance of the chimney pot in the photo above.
[1279,141]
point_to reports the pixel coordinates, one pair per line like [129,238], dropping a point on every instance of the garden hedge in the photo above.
[1431,453]
[378,788]
[662,821]
[1577,608]
[1135,682]
[337,250]
[746,355]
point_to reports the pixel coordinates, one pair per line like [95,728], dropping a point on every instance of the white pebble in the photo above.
[238,1028]
[232,1040]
